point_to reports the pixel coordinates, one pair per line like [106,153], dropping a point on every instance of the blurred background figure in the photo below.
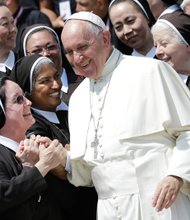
[160,7]
[8,32]
[185,6]
[25,16]
[132,21]
[171,36]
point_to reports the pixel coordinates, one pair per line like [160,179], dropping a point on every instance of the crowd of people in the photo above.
[94,110]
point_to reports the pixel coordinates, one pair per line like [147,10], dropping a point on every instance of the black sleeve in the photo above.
[19,188]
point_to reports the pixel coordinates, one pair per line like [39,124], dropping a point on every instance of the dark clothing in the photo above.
[28,16]
[19,188]
[46,128]
[74,202]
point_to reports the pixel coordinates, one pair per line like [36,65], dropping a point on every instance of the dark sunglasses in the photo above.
[20,99]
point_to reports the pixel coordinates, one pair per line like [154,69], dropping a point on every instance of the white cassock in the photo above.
[141,109]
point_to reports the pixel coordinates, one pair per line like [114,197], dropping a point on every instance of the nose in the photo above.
[127,29]
[77,57]
[56,84]
[27,102]
[159,52]
[45,53]
[13,28]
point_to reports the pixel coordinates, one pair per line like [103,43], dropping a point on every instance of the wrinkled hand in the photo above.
[166,192]
[28,151]
[52,155]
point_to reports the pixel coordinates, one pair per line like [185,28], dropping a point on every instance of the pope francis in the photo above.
[130,128]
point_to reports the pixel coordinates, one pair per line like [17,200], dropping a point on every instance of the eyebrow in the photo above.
[3,18]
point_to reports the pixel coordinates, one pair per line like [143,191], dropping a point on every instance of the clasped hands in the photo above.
[45,154]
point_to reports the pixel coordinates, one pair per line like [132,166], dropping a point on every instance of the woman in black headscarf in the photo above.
[132,20]
[43,40]
[40,80]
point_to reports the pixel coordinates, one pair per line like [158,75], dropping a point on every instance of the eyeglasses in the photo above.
[20,99]
[48,48]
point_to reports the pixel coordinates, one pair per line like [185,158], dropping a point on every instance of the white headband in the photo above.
[32,69]
[173,28]
[137,2]
[36,28]
[2,107]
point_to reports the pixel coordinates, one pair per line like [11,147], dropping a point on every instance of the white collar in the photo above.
[50,116]
[183,77]
[151,53]
[64,81]
[9,62]
[9,143]
[170,9]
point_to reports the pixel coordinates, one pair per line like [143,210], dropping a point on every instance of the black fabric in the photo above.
[74,202]
[46,128]
[28,17]
[21,71]
[188,82]
[19,188]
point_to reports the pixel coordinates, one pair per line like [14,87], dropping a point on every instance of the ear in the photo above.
[106,37]
[101,4]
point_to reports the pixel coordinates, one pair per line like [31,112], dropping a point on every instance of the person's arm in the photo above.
[18,188]
[177,174]
[46,6]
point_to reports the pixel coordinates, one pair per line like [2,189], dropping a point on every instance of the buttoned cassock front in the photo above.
[143,136]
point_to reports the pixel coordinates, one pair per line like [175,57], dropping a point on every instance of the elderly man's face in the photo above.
[17,108]
[88,52]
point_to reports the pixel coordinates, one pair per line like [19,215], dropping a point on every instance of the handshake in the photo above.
[46,155]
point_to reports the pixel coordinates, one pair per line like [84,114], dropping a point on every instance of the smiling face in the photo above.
[171,49]
[17,109]
[43,43]
[46,90]
[87,51]
[131,26]
[8,30]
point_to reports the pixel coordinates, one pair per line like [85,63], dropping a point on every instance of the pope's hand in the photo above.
[166,192]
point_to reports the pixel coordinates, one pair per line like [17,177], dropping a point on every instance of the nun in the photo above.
[23,188]
[171,35]
[132,20]
[41,81]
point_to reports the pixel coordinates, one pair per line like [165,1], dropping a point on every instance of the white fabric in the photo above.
[87,16]
[9,62]
[151,53]
[64,81]
[9,143]
[50,116]
[143,136]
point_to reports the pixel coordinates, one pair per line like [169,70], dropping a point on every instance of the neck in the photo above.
[15,136]
[3,55]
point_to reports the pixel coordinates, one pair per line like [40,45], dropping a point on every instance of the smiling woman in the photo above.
[39,77]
